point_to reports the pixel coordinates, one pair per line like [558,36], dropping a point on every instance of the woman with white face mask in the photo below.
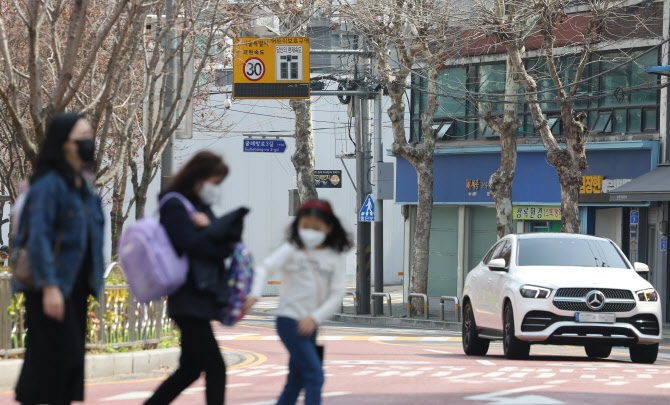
[312,267]
[203,297]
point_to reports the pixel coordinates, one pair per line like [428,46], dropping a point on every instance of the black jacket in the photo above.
[204,295]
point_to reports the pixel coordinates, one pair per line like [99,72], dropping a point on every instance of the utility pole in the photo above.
[167,157]
[379,209]
[363,156]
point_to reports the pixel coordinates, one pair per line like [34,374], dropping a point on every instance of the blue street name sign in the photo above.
[367,213]
[263,145]
[664,244]
[634,217]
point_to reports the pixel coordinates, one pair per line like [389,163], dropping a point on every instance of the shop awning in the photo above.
[652,186]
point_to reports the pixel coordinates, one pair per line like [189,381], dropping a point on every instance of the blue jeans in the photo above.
[305,368]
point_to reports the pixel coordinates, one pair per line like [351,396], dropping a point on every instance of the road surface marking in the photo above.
[411,374]
[387,373]
[503,397]
[588,376]
[518,375]
[666,385]
[366,372]
[644,376]
[301,398]
[437,351]
[464,376]
[617,383]
[546,375]
[441,374]
[494,374]
[486,362]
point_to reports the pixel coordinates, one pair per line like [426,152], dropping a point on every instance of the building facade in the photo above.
[627,132]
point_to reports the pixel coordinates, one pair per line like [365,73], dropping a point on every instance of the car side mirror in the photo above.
[641,269]
[497,265]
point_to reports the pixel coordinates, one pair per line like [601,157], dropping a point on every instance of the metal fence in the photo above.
[115,319]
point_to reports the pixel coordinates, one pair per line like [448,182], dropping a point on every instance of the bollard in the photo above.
[456,307]
[388,301]
[425,302]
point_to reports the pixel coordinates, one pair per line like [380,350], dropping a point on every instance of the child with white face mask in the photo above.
[312,267]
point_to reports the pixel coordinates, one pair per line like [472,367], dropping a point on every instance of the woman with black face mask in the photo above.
[62,227]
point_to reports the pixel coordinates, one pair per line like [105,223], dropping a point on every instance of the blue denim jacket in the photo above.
[53,208]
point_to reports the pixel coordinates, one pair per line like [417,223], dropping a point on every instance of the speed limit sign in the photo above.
[254,69]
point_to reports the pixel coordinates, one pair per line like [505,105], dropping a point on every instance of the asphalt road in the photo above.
[393,365]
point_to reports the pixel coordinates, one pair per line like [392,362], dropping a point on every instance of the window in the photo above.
[562,251]
[492,252]
[489,133]
[603,123]
[442,129]
[505,253]
[609,100]
[553,125]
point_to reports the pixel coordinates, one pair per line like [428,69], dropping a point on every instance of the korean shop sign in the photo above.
[591,185]
[537,213]
[272,68]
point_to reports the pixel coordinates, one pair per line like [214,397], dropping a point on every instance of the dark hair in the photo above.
[201,166]
[51,153]
[338,239]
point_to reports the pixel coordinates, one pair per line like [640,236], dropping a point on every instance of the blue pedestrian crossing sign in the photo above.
[367,213]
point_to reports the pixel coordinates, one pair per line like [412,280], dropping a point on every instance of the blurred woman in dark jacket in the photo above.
[62,226]
[202,298]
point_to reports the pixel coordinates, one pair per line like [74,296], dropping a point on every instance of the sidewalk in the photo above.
[109,366]
[399,314]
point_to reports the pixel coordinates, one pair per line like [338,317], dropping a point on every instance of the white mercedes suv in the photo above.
[556,288]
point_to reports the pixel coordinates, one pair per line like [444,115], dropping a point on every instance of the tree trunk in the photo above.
[303,158]
[570,180]
[424,215]
[501,181]
[117,217]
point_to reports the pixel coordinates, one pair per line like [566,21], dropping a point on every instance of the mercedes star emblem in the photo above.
[595,300]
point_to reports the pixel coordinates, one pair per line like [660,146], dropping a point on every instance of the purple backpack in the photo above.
[150,264]
[240,276]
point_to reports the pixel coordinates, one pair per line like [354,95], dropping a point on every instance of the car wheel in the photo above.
[473,345]
[644,353]
[598,351]
[513,347]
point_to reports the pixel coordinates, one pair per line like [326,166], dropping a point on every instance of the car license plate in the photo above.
[595,317]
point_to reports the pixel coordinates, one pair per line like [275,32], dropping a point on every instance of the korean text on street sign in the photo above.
[634,217]
[664,244]
[532,212]
[367,213]
[272,68]
[263,145]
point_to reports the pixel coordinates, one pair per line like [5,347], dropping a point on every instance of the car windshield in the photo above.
[569,252]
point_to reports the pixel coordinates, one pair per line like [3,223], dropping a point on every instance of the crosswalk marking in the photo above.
[546,375]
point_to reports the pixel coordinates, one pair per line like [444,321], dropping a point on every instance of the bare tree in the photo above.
[406,35]
[59,55]
[546,26]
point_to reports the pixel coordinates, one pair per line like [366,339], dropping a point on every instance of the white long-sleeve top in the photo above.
[312,281]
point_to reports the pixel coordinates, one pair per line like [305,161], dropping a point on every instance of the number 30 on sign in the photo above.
[254,69]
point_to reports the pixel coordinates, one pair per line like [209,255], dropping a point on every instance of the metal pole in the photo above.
[168,154]
[379,209]
[364,228]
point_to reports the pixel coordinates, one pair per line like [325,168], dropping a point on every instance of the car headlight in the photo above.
[531,291]
[647,295]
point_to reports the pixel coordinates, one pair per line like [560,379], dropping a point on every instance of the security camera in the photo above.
[227,104]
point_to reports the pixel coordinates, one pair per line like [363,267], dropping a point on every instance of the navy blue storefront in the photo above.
[464,216]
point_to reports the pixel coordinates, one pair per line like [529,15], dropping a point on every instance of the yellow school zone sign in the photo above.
[271,68]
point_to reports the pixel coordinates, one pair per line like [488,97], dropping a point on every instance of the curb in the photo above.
[417,323]
[386,321]
[116,365]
